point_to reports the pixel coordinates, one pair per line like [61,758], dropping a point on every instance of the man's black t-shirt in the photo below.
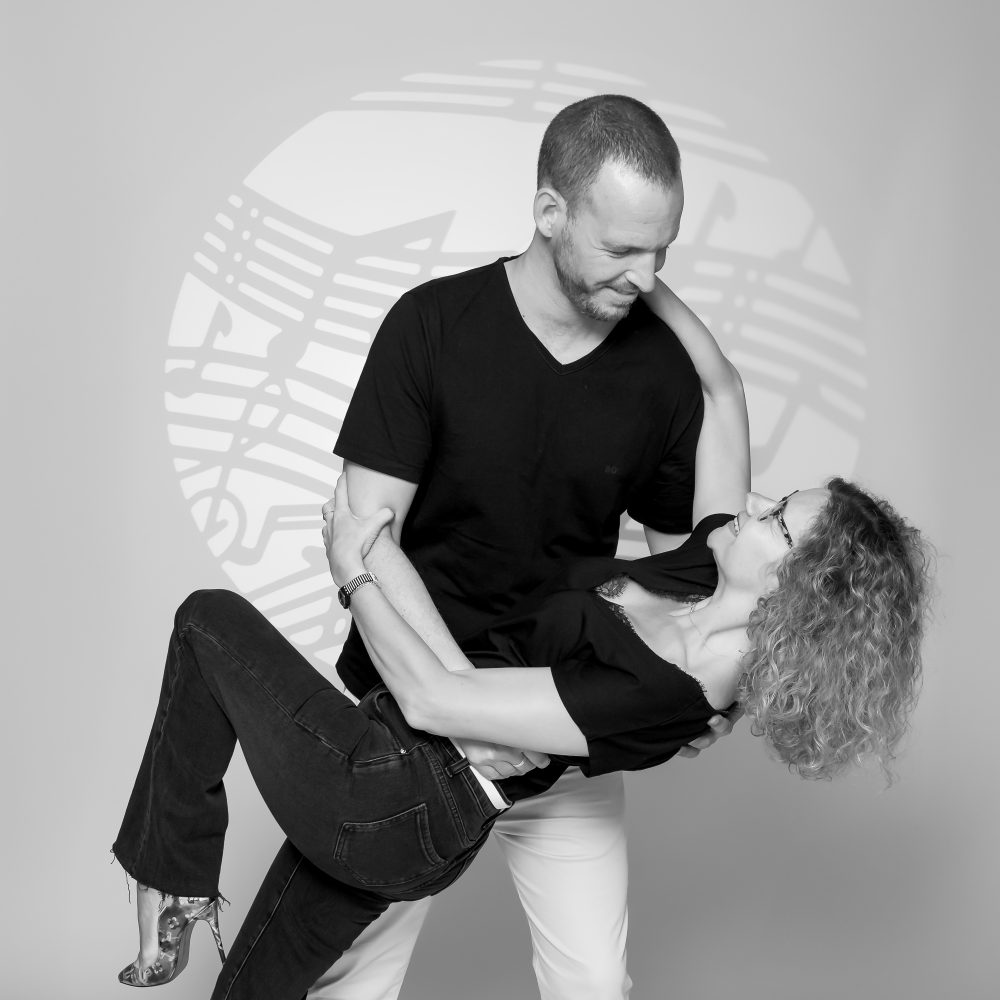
[520,461]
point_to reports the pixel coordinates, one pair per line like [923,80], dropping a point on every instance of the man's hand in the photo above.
[718,726]
[495,761]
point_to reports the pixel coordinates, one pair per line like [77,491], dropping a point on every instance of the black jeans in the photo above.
[374,810]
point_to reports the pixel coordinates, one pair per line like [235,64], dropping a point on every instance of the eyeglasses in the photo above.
[777,512]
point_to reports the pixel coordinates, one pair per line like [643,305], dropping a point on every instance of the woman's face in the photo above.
[749,548]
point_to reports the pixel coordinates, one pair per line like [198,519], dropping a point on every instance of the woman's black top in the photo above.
[634,708]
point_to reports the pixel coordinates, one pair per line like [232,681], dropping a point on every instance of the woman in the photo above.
[807,611]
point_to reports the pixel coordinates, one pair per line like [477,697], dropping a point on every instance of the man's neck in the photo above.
[565,332]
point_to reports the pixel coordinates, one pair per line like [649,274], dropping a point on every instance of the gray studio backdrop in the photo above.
[208,209]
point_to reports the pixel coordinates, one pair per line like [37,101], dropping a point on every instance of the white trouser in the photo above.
[566,851]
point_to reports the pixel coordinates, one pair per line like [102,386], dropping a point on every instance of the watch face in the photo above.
[344,597]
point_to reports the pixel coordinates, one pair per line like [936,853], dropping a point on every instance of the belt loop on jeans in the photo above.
[456,766]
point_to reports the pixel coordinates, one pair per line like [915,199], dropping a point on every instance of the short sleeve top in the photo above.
[522,463]
[634,708]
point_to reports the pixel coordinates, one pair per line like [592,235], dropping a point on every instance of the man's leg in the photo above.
[374,966]
[567,853]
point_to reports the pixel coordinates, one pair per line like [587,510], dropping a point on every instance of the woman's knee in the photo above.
[208,607]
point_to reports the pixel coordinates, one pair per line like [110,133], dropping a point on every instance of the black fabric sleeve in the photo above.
[629,724]
[387,427]
[688,569]
[664,504]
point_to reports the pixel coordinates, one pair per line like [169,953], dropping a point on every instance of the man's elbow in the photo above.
[386,542]
[370,491]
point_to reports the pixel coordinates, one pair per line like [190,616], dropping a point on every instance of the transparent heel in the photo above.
[175,922]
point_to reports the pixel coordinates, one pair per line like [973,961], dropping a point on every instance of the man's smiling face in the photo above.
[624,223]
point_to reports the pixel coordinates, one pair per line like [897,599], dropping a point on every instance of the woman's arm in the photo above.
[515,706]
[722,462]
[370,491]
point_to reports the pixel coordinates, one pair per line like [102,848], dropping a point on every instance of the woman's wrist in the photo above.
[348,571]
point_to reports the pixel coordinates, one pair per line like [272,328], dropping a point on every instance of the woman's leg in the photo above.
[300,923]
[386,810]
[229,673]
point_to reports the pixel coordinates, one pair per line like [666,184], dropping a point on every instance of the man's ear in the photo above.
[550,211]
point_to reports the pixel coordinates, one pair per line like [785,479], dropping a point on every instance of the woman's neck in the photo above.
[706,640]
[720,621]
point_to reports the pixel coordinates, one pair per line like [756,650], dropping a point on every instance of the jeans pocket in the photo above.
[391,851]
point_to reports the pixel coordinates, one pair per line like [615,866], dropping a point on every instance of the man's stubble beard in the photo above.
[576,289]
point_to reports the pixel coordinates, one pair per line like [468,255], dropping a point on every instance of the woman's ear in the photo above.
[769,576]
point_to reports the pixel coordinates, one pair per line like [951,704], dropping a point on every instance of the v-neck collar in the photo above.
[621,616]
[547,356]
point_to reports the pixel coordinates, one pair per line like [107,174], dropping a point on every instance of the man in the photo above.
[509,415]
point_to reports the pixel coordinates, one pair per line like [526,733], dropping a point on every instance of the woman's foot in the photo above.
[165,926]
[148,903]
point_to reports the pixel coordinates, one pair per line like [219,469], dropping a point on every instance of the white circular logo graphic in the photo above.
[292,278]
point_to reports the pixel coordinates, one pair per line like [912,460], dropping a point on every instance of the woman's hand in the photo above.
[347,538]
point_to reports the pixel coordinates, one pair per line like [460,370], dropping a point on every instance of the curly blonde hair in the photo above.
[835,665]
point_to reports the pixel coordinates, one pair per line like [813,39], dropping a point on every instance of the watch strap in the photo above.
[345,592]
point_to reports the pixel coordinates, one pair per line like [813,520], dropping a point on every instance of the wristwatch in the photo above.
[344,594]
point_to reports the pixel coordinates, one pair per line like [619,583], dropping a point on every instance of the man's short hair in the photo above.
[601,129]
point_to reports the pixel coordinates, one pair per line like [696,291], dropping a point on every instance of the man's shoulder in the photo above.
[458,289]
[652,340]
[451,305]
[643,320]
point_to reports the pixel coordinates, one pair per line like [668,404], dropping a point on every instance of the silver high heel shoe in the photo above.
[176,920]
